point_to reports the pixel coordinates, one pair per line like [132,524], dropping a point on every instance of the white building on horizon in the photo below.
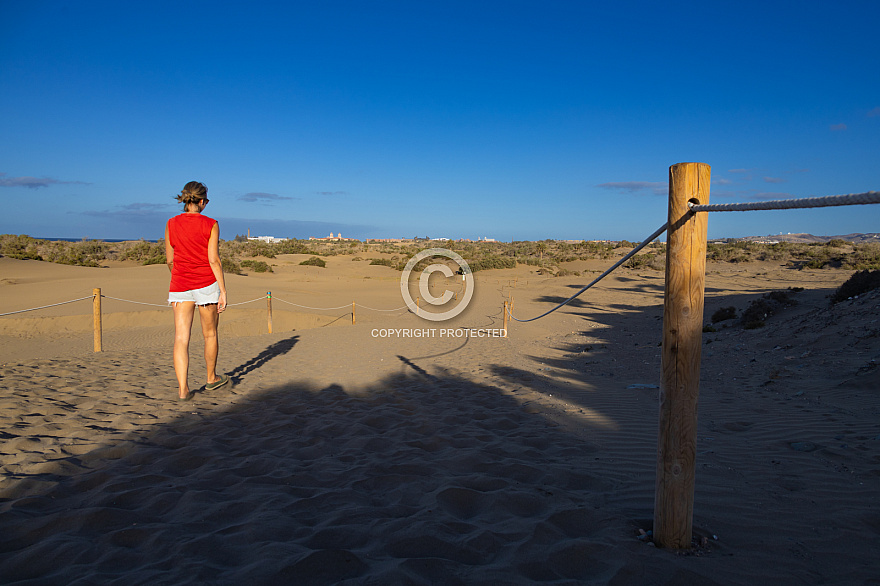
[268,239]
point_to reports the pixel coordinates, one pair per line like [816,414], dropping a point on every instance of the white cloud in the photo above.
[263,197]
[34,182]
[655,187]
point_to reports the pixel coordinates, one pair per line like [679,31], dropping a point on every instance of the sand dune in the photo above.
[342,457]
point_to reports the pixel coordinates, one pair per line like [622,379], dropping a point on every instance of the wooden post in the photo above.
[505,315]
[682,339]
[269,306]
[352,313]
[96,312]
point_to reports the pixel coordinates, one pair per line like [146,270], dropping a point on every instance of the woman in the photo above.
[192,250]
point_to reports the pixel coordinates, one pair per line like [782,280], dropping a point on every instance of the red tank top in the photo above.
[189,235]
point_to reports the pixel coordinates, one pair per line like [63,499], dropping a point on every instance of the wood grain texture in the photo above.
[682,339]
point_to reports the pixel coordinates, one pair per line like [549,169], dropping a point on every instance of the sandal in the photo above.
[224,378]
[188,396]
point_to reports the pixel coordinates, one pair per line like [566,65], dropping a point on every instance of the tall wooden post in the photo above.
[682,339]
[96,314]
[352,313]
[269,307]
[505,315]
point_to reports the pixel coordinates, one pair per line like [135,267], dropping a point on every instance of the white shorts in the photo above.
[204,296]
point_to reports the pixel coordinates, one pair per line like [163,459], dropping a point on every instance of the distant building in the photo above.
[268,239]
[332,238]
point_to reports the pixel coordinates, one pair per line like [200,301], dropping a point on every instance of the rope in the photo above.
[629,255]
[346,306]
[374,309]
[165,306]
[868,197]
[130,301]
[251,301]
[45,306]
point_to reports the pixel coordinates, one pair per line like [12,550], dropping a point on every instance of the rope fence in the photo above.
[45,306]
[96,297]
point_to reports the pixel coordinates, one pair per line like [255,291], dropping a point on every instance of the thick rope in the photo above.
[45,306]
[868,197]
[629,255]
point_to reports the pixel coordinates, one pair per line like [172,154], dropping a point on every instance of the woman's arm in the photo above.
[169,250]
[216,266]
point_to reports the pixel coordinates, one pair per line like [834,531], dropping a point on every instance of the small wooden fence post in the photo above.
[682,339]
[352,313]
[269,306]
[505,317]
[96,313]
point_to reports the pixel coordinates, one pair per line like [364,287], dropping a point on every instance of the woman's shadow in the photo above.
[277,349]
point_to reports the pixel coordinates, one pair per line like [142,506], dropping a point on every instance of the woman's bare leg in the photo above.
[183,317]
[209,319]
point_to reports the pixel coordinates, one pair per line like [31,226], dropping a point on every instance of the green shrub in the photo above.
[146,253]
[315,262]
[724,314]
[21,247]
[760,309]
[230,266]
[258,266]
[864,257]
[85,253]
[646,261]
[859,283]
[491,262]
[567,273]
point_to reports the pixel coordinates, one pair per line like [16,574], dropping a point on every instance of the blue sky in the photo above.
[514,120]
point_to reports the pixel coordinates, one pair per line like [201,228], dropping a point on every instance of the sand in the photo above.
[341,457]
